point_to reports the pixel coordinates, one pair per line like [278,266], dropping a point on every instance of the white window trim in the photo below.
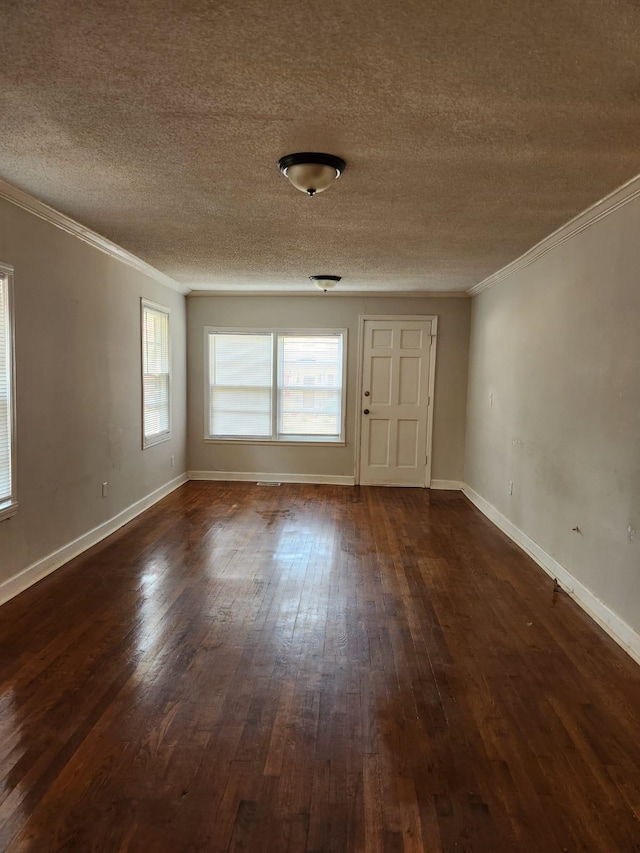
[163,436]
[308,440]
[9,507]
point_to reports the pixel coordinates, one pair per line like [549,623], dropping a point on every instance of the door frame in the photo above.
[420,318]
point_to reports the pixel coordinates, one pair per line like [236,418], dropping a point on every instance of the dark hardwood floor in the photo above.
[312,668]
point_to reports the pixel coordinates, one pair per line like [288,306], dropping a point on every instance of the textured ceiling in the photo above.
[471,129]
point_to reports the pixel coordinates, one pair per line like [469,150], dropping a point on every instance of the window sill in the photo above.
[307,442]
[156,439]
[8,510]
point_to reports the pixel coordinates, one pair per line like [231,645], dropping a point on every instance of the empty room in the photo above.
[320,426]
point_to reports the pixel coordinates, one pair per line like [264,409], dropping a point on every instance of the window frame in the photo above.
[151,441]
[8,508]
[275,439]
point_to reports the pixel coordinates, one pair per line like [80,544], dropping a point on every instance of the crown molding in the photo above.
[609,204]
[353,294]
[60,220]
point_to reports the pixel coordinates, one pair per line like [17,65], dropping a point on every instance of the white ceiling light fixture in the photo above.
[325,282]
[311,172]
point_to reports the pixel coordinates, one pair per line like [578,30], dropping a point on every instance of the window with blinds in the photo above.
[8,501]
[156,369]
[240,380]
[275,385]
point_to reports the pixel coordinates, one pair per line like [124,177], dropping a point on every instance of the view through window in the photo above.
[155,374]
[278,386]
[7,407]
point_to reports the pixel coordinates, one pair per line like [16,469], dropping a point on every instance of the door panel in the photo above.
[395,373]
[409,381]
[381,380]
[381,338]
[407,444]
[379,441]
[411,338]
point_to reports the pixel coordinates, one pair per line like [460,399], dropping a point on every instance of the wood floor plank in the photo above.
[312,669]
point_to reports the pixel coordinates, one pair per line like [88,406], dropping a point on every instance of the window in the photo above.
[156,413]
[8,502]
[275,385]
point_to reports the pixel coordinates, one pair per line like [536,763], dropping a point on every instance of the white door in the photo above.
[395,404]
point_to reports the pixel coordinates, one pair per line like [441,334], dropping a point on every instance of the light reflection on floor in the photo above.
[291,555]
[11,751]
[152,597]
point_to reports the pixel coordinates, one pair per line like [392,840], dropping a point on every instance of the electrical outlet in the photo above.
[491,399]
[632,533]
[510,487]
[105,488]
[173,461]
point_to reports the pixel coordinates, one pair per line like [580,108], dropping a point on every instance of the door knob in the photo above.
[366,411]
[366,393]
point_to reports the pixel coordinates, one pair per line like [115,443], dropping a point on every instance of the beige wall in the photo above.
[78,388]
[558,346]
[328,311]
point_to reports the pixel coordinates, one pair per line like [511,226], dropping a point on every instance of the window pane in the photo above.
[5,394]
[312,412]
[156,410]
[308,360]
[241,411]
[240,373]
[310,392]
[241,360]
[155,368]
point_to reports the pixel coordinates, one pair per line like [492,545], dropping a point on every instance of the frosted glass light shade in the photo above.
[325,282]
[311,177]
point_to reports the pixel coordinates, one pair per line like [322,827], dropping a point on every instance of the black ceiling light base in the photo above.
[312,157]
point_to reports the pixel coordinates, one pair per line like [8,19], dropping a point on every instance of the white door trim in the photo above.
[433,318]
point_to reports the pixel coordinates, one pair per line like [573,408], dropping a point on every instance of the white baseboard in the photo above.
[447,485]
[321,479]
[623,634]
[40,569]
[617,628]
[254,477]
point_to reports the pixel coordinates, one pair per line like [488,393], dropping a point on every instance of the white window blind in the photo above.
[275,386]
[155,373]
[7,450]
[240,379]
[310,385]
